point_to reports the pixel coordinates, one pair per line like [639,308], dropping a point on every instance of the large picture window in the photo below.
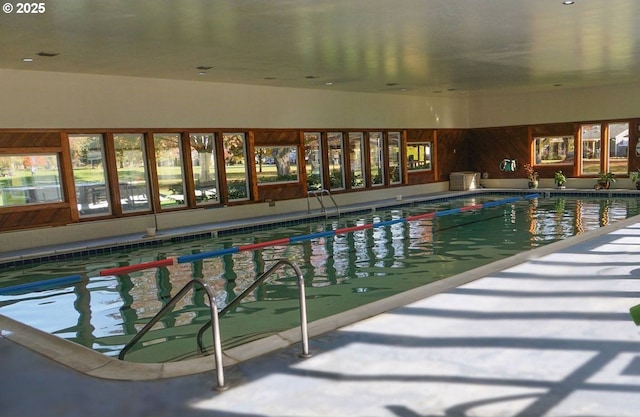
[419,156]
[313,160]
[395,156]
[203,161]
[90,175]
[131,165]
[169,167]
[554,150]
[618,162]
[376,158]
[590,143]
[276,164]
[29,179]
[355,160]
[336,160]
[235,163]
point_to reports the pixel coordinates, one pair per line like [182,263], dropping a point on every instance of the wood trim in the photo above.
[68,183]
[30,151]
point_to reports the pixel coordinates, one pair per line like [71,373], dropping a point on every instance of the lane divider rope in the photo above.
[349,229]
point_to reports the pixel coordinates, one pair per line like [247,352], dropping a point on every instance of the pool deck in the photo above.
[543,333]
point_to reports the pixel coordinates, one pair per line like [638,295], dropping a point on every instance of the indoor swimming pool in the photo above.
[346,262]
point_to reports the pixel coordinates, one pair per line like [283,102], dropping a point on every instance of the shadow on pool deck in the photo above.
[544,333]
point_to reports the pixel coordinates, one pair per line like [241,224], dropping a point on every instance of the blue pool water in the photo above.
[341,271]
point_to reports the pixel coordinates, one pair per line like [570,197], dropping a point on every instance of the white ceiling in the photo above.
[448,47]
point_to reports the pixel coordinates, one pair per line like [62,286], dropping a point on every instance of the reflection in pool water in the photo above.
[341,272]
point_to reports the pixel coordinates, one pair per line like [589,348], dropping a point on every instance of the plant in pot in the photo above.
[560,179]
[604,180]
[531,175]
[635,178]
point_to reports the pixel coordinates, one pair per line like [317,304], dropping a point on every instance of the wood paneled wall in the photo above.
[11,141]
[452,153]
[479,150]
[488,147]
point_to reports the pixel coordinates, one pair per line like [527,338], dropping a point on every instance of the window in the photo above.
[355,160]
[554,150]
[131,166]
[590,145]
[203,161]
[419,156]
[336,161]
[235,162]
[618,134]
[395,169]
[29,179]
[276,164]
[168,153]
[376,158]
[90,175]
[313,160]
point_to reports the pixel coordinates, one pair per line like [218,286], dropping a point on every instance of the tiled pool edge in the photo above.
[97,365]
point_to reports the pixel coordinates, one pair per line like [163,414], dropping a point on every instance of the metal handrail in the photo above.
[303,305]
[320,199]
[215,327]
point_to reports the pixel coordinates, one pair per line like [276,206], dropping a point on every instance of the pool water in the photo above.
[341,272]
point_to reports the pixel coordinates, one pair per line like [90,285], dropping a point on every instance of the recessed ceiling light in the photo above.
[568,2]
[27,59]
[48,54]
[329,83]
[202,73]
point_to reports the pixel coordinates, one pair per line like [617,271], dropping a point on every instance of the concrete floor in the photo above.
[545,333]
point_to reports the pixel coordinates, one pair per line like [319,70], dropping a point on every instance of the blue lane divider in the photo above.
[202,255]
[330,233]
[300,238]
[41,285]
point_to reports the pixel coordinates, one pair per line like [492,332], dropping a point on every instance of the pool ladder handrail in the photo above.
[215,326]
[320,199]
[301,294]
[215,315]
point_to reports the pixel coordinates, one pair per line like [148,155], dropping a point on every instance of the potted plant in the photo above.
[635,178]
[560,179]
[531,175]
[604,180]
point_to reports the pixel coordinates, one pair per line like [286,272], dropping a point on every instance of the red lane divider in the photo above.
[471,207]
[353,229]
[252,246]
[421,216]
[137,267]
